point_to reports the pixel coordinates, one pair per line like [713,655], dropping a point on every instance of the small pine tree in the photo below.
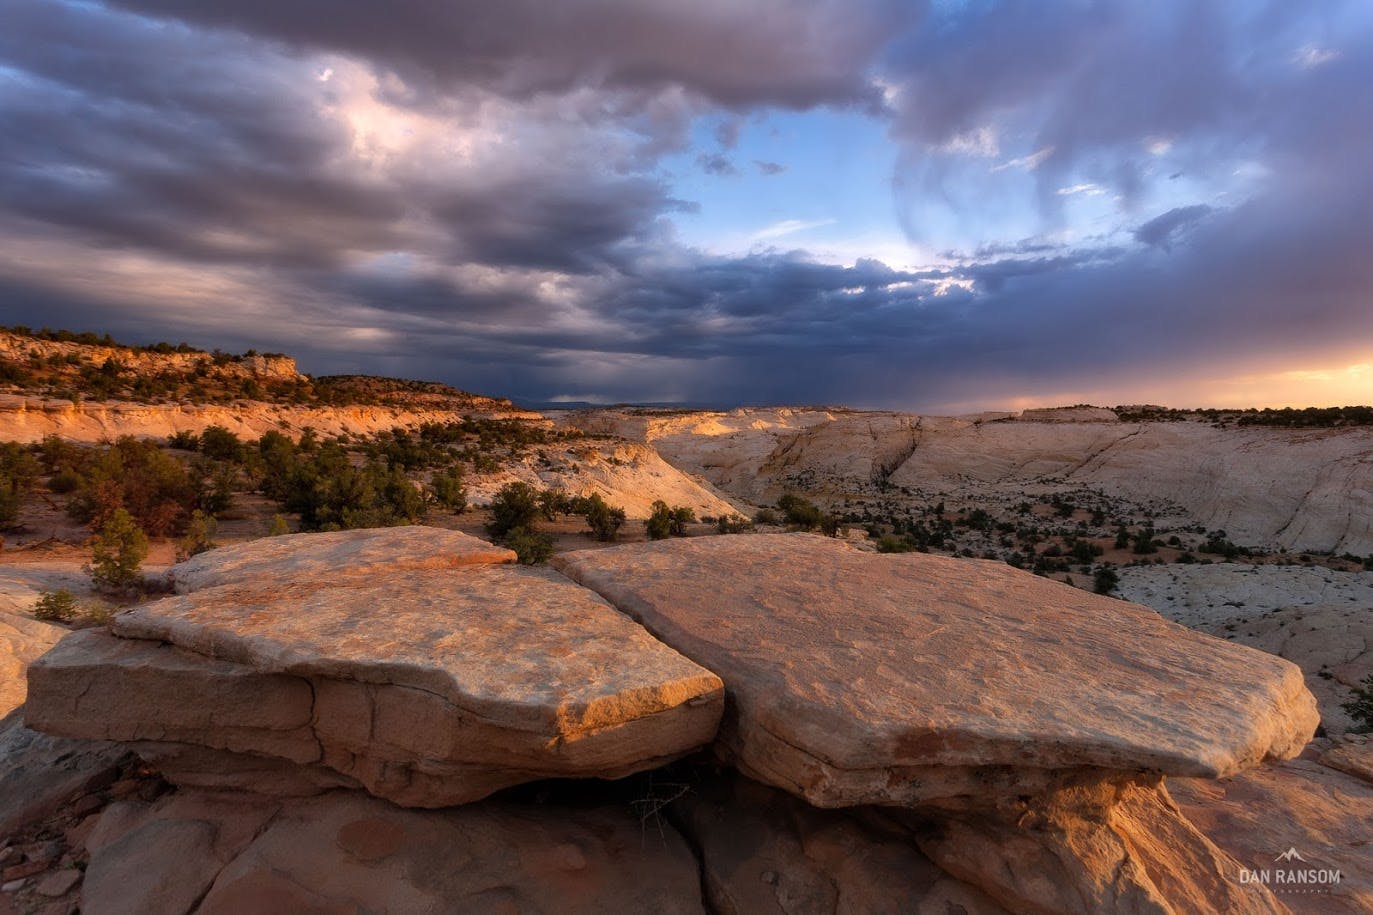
[55,606]
[531,547]
[118,552]
[200,536]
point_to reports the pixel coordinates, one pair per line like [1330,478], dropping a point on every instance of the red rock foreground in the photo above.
[999,743]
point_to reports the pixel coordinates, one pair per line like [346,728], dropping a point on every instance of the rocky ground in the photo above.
[1317,618]
[399,720]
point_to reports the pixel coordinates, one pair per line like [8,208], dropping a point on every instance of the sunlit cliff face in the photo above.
[946,207]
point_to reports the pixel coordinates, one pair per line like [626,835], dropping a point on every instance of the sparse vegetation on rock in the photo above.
[1360,704]
[57,606]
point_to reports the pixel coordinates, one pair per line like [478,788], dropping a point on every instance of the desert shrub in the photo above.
[448,490]
[733,524]
[18,471]
[65,480]
[800,512]
[1085,551]
[330,493]
[214,483]
[118,552]
[890,543]
[1217,545]
[603,518]
[555,502]
[667,521]
[979,520]
[1105,580]
[531,547]
[184,439]
[1360,704]
[97,613]
[200,536]
[138,476]
[765,516]
[1143,543]
[11,501]
[221,444]
[55,606]
[279,526]
[514,505]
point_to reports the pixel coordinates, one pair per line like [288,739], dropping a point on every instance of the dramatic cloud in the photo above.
[563,200]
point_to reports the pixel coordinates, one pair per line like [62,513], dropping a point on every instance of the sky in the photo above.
[941,207]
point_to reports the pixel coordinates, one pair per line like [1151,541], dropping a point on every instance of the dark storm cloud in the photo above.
[538,257]
[575,223]
[780,52]
[182,142]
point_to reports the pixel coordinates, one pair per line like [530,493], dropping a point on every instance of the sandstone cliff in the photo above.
[1300,489]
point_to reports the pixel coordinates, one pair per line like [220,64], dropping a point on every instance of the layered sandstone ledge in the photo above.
[999,740]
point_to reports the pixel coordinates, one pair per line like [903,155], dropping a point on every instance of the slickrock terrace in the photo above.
[1000,742]
[426,687]
[311,559]
[858,678]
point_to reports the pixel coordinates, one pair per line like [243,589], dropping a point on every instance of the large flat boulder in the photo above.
[329,556]
[860,678]
[427,687]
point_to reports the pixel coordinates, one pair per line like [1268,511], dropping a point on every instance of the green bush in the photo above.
[1105,580]
[531,547]
[138,476]
[733,524]
[800,512]
[200,536]
[666,521]
[118,553]
[221,444]
[448,490]
[514,505]
[55,606]
[604,519]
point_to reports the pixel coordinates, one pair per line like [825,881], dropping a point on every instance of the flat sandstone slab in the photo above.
[427,687]
[330,556]
[863,678]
